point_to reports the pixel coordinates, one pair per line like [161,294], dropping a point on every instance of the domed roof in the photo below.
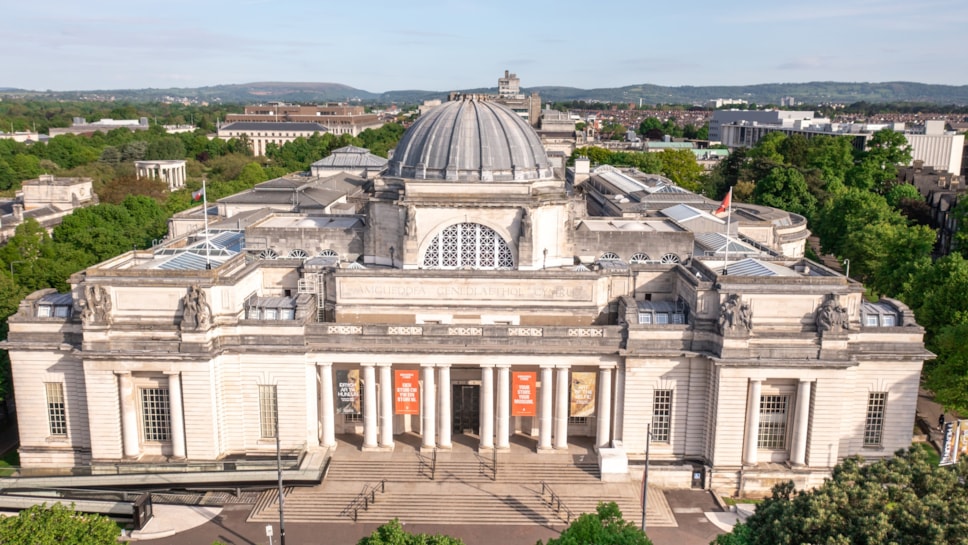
[471,140]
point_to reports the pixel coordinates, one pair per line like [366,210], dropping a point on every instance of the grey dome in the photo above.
[471,140]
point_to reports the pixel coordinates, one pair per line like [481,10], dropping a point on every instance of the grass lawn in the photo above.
[933,455]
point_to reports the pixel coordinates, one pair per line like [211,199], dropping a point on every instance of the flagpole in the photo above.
[729,213]
[208,246]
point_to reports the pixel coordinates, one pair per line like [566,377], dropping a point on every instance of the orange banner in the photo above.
[523,398]
[406,392]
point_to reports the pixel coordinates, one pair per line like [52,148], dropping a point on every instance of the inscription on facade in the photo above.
[379,289]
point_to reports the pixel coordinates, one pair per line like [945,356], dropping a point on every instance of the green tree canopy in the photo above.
[604,527]
[57,525]
[392,533]
[848,212]
[785,188]
[680,166]
[905,499]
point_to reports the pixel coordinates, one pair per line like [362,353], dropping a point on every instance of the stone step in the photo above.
[469,471]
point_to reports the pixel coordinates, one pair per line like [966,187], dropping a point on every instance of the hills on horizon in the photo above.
[767,93]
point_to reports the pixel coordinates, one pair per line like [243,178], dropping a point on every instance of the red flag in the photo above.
[725,206]
[197,195]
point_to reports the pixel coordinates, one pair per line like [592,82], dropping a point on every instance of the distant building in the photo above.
[172,172]
[942,191]
[720,102]
[46,199]
[23,137]
[930,143]
[81,126]
[262,133]
[509,94]
[349,160]
[338,118]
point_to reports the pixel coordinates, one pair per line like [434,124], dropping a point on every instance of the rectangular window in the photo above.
[578,420]
[871,320]
[662,318]
[874,424]
[888,320]
[773,421]
[269,314]
[56,410]
[62,311]
[43,311]
[645,318]
[678,318]
[267,411]
[155,415]
[661,416]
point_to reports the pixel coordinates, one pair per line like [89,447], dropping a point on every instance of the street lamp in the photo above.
[847,264]
[645,473]
[282,524]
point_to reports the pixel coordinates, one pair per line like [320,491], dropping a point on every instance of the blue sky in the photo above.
[444,45]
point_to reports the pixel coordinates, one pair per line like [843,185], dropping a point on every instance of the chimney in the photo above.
[18,213]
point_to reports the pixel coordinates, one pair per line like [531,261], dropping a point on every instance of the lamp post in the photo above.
[645,473]
[847,264]
[282,524]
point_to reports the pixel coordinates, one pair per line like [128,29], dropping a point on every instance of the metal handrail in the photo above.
[363,500]
[554,502]
[433,466]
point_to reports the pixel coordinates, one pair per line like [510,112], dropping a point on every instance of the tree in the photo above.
[848,212]
[904,499]
[947,376]
[57,525]
[833,157]
[680,166]
[786,189]
[166,147]
[392,533]
[604,527]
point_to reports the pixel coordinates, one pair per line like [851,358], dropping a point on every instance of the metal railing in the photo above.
[554,502]
[484,468]
[427,465]
[364,499]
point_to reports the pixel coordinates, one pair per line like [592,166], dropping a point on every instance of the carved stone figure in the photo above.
[95,305]
[411,225]
[196,312]
[832,316]
[735,316]
[525,224]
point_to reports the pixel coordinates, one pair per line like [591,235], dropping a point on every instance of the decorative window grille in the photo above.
[56,409]
[328,253]
[578,420]
[670,258]
[268,254]
[874,424]
[468,245]
[773,421]
[661,416]
[609,256]
[639,258]
[298,254]
[155,415]
[267,411]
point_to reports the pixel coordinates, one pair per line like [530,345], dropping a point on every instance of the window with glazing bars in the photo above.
[773,421]
[155,415]
[874,424]
[661,416]
[56,410]
[267,411]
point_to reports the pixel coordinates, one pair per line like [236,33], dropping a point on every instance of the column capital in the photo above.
[324,364]
[123,373]
[563,366]
[503,365]
[443,365]
[368,364]
[384,364]
[172,373]
[547,366]
[487,366]
[426,365]
[756,379]
[608,366]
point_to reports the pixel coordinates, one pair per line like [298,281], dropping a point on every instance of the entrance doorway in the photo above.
[467,408]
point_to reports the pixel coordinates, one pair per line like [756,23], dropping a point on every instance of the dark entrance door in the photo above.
[467,408]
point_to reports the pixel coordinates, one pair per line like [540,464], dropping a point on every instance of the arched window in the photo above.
[609,256]
[670,258]
[328,253]
[298,254]
[268,254]
[468,245]
[639,258]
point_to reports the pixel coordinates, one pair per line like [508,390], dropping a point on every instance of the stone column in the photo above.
[129,416]
[444,393]
[429,406]
[618,422]
[503,407]
[544,422]
[561,409]
[177,412]
[386,406]
[369,406]
[327,408]
[487,406]
[604,439]
[752,422]
[798,454]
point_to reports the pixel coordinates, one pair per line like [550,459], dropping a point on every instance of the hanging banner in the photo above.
[406,392]
[348,391]
[523,398]
[582,394]
[949,445]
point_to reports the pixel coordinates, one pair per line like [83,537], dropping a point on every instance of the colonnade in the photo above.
[171,172]
[130,441]
[436,406]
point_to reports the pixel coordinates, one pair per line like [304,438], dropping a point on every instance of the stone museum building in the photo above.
[471,289]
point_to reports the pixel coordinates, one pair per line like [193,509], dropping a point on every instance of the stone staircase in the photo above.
[463,491]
